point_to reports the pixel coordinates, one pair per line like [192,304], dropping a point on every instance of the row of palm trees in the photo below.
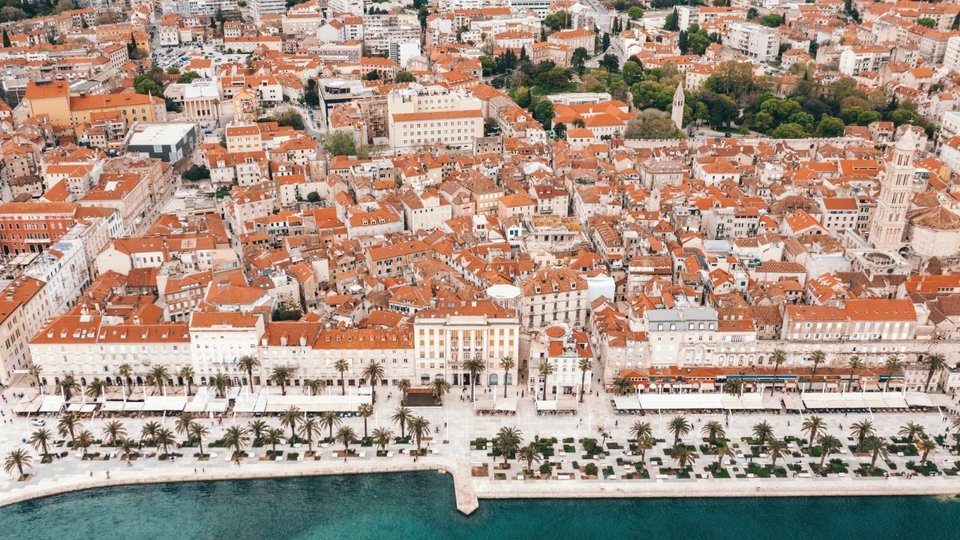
[933,362]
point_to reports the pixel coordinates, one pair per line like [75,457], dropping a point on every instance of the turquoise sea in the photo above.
[420,505]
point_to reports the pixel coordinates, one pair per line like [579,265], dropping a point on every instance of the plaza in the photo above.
[590,453]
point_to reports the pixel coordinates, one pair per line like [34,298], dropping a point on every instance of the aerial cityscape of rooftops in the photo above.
[554,248]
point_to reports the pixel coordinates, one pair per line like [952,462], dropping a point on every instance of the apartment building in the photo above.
[754,40]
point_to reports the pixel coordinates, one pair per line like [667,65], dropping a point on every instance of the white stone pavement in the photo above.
[457,425]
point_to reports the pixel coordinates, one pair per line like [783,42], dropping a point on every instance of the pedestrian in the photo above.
[108,475]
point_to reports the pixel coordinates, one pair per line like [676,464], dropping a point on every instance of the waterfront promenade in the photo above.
[478,475]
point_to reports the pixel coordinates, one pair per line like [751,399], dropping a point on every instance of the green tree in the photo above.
[17,459]
[679,426]
[340,143]
[652,124]
[290,418]
[672,22]
[196,173]
[558,20]
[635,12]
[829,126]
[927,21]
[772,20]
[934,363]
[862,430]
[507,441]
[789,131]
[828,445]
[419,428]
[404,76]
[188,77]
[610,62]
[814,426]
[542,111]
[475,367]
[6,39]
[762,432]
[311,96]
[401,416]
[373,373]
[280,376]
[248,363]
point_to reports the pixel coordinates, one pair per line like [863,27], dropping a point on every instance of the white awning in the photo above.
[52,404]
[219,405]
[546,405]
[332,403]
[112,406]
[483,405]
[165,403]
[507,405]
[918,399]
[626,403]
[895,400]
[74,407]
[26,407]
[133,406]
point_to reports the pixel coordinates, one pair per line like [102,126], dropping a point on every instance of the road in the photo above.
[603,14]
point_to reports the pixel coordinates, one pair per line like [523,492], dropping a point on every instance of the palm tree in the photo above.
[35,371]
[309,429]
[641,429]
[934,363]
[280,375]
[187,374]
[346,436]
[683,456]
[475,367]
[861,430]
[314,386]
[330,420]
[680,427]
[68,425]
[401,416]
[507,441]
[197,432]
[158,377]
[734,387]
[236,437]
[545,368]
[506,364]
[68,385]
[926,446]
[126,450]
[777,449]
[248,363]
[149,431]
[381,437]
[365,411]
[183,423]
[892,366]
[40,438]
[855,365]
[440,387]
[814,426]
[645,443]
[402,386]
[84,441]
[778,358]
[114,432]
[273,437]
[290,418]
[530,453]
[817,357]
[17,459]
[622,386]
[220,382]
[164,440]
[910,430]
[877,447]
[373,373]
[585,365]
[342,366]
[762,432]
[713,430]
[419,428]
[257,429]
[828,445]
[95,388]
[126,373]
[722,451]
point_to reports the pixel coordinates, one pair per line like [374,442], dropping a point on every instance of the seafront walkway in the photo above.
[590,454]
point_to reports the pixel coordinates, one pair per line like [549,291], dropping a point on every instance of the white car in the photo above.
[37,422]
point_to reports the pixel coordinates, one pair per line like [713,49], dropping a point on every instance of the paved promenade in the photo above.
[478,475]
